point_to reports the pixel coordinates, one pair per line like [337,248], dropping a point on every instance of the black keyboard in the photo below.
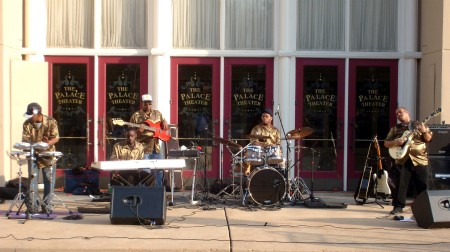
[183,153]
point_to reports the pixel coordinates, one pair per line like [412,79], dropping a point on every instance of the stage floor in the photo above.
[222,224]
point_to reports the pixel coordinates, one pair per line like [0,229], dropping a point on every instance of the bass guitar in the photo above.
[381,176]
[155,128]
[398,152]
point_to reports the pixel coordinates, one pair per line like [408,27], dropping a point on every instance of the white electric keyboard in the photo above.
[140,164]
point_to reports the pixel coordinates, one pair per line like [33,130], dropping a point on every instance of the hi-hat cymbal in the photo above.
[227,142]
[299,133]
[256,136]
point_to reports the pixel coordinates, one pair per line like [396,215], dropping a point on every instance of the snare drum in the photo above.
[237,168]
[253,155]
[273,154]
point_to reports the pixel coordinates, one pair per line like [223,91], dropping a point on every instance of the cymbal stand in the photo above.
[20,197]
[311,195]
[297,187]
[233,185]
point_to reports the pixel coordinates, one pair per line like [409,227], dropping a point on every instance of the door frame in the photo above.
[352,173]
[90,95]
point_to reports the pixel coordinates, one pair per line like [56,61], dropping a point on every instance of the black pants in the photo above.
[417,174]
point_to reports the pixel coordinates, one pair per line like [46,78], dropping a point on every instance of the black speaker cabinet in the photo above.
[138,205]
[439,173]
[440,145]
[431,209]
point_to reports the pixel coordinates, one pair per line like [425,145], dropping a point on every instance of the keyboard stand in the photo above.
[193,183]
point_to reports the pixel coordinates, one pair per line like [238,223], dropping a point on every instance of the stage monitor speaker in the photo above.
[440,145]
[134,205]
[431,209]
[439,173]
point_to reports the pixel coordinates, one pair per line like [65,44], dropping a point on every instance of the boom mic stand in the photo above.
[286,175]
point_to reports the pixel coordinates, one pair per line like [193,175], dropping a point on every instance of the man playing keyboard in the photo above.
[128,149]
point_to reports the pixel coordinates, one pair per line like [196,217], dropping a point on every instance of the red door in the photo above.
[372,102]
[320,106]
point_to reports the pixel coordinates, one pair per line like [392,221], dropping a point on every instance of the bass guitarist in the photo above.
[146,137]
[414,165]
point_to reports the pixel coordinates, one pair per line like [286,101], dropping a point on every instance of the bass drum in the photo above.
[266,186]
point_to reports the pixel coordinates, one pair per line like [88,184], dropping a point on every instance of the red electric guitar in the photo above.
[155,128]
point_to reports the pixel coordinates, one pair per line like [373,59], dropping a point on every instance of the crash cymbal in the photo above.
[227,142]
[299,133]
[256,136]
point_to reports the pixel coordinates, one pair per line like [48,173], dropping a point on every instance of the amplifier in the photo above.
[439,173]
[440,145]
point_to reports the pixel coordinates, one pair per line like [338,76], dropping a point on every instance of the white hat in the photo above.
[146,97]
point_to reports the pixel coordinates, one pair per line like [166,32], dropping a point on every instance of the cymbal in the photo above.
[257,136]
[227,142]
[299,133]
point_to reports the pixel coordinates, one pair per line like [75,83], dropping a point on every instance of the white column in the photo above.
[284,74]
[160,38]
[407,45]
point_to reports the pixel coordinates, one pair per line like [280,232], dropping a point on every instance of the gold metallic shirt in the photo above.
[122,151]
[33,133]
[272,132]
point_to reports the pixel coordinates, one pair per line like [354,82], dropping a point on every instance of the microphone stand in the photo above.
[286,175]
[205,181]
[311,196]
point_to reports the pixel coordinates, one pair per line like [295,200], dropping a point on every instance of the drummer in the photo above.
[266,128]
[41,128]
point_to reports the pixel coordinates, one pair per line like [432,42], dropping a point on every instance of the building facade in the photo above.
[339,67]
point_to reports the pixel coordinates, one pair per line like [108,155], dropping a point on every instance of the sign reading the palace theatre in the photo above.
[320,96]
[70,97]
[122,97]
[372,96]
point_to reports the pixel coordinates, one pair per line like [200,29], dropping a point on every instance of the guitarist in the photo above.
[414,165]
[151,144]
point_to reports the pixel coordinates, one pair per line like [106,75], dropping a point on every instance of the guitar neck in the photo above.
[139,125]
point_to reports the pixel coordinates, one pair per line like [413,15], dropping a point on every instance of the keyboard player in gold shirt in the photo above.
[128,149]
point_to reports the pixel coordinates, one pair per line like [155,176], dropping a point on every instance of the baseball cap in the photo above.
[268,111]
[146,97]
[33,109]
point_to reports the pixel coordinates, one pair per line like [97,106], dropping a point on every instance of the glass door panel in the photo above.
[123,98]
[320,113]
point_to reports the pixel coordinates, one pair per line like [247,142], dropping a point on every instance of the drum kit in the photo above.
[265,170]
[29,154]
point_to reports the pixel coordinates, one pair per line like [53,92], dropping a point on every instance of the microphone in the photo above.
[278,109]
